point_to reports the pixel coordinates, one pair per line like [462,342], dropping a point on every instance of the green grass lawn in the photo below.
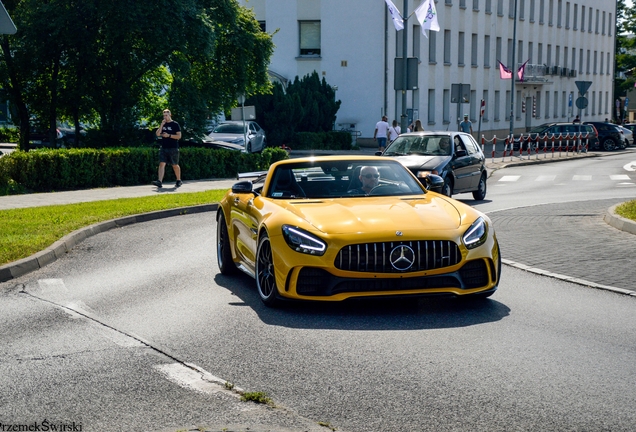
[627,210]
[30,230]
[26,231]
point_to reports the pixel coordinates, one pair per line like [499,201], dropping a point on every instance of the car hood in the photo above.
[413,162]
[223,145]
[379,214]
[223,137]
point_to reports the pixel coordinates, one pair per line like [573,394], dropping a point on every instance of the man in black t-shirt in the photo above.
[170,133]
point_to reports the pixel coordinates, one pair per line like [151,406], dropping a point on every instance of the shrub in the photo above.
[67,169]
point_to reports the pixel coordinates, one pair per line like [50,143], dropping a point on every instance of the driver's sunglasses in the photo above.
[371,176]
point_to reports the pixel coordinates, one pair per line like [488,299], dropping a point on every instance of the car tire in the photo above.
[265,275]
[482,188]
[447,189]
[223,250]
[608,144]
[249,147]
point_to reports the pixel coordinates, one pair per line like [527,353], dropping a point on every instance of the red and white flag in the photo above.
[522,70]
[504,72]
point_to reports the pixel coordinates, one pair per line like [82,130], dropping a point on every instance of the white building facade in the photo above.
[353,45]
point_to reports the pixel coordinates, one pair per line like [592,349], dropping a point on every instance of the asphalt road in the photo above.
[136,330]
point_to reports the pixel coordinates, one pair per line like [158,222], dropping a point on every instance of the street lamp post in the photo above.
[241,100]
[512,81]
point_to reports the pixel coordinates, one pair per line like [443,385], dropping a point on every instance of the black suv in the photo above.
[609,135]
[563,134]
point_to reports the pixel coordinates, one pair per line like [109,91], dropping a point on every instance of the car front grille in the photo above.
[377,257]
[319,282]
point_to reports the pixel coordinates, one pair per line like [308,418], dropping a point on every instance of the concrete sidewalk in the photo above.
[100,194]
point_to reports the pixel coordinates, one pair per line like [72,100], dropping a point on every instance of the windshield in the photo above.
[540,129]
[432,145]
[228,128]
[340,179]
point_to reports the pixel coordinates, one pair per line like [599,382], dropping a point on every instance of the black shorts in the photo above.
[169,156]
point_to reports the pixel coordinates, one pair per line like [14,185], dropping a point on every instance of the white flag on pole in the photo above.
[427,16]
[398,22]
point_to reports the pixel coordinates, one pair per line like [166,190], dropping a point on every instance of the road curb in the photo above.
[62,246]
[619,222]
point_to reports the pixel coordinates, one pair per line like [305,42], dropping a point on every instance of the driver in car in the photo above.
[369,177]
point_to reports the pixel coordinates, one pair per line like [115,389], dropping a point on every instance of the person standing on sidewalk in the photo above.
[381,132]
[394,131]
[170,133]
[466,125]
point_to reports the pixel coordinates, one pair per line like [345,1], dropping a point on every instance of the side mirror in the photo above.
[460,153]
[378,153]
[434,183]
[242,187]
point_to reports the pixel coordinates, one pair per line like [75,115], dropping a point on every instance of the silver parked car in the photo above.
[232,132]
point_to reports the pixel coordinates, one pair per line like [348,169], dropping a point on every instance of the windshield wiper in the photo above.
[394,154]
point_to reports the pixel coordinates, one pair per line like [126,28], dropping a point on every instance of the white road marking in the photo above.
[194,378]
[630,166]
[546,178]
[582,177]
[620,177]
[509,178]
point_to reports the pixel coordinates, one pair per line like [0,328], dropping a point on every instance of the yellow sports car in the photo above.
[336,227]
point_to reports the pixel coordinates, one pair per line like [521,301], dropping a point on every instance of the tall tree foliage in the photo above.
[307,105]
[116,63]
[625,47]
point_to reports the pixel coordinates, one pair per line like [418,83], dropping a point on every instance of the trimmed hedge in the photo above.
[333,140]
[70,169]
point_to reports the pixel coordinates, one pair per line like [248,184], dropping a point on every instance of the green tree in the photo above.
[117,63]
[625,48]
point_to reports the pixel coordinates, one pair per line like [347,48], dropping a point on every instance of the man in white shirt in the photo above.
[381,132]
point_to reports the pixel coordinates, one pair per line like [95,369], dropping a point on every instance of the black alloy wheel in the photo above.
[265,276]
[223,250]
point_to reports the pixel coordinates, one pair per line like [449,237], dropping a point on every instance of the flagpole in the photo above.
[405,34]
[512,81]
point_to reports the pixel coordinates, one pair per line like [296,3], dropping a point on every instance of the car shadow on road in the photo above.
[405,313]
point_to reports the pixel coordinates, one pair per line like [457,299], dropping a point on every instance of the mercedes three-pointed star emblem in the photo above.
[402,257]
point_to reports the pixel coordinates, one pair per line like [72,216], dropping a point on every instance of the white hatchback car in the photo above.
[232,132]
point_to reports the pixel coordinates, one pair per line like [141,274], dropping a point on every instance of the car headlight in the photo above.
[302,241]
[476,235]
[424,174]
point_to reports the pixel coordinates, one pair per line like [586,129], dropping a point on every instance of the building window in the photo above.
[559,13]
[565,57]
[530,49]
[473,50]
[610,25]
[582,18]
[541,10]
[263,26]
[575,17]
[309,38]
[498,49]
[431,106]
[485,99]
[589,60]
[555,113]
[581,61]
[462,4]
[603,23]
[497,107]
[506,112]
[563,105]
[460,49]
[511,8]
[446,108]
[473,104]
[550,9]
[522,10]
[589,20]
[547,104]
[475,5]
[432,38]
[548,59]
[567,15]
[540,54]
[595,62]
[598,12]
[487,51]
[608,63]
[447,47]
[532,10]
[500,7]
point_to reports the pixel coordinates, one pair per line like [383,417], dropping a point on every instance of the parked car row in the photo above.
[593,135]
